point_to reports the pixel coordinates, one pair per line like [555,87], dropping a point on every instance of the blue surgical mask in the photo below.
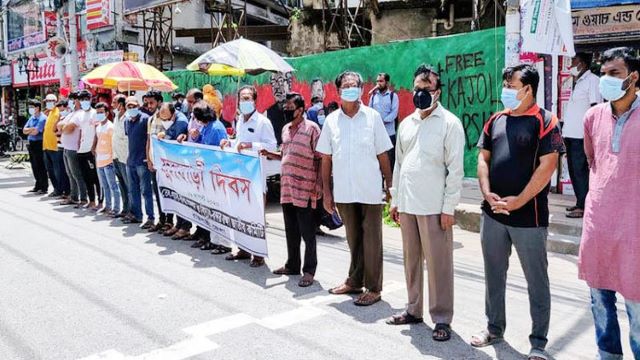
[247,107]
[321,119]
[131,113]
[49,105]
[351,94]
[32,111]
[509,98]
[85,105]
[611,87]
[100,117]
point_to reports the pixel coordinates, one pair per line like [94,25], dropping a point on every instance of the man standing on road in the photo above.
[386,103]
[70,140]
[86,121]
[610,248]
[137,170]
[120,145]
[354,145]
[300,188]
[254,132]
[52,157]
[34,129]
[585,94]
[427,182]
[519,150]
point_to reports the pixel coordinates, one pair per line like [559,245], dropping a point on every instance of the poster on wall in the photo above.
[99,14]
[5,75]
[24,27]
[547,27]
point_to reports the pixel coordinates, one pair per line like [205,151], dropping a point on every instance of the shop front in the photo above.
[33,84]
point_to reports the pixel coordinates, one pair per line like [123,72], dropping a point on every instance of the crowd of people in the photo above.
[351,161]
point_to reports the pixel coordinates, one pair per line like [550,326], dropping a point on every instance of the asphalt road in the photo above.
[78,286]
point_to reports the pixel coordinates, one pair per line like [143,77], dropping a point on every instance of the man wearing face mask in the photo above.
[254,133]
[194,96]
[104,162]
[34,129]
[316,111]
[165,120]
[64,183]
[354,145]
[610,246]
[53,159]
[86,121]
[212,133]
[70,140]
[120,146]
[137,169]
[584,95]
[427,183]
[385,101]
[519,151]
[300,188]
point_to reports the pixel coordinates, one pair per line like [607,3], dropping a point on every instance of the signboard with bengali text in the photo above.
[603,24]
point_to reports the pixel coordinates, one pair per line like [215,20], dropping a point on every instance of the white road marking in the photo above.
[218,326]
[289,318]
[106,355]
[179,351]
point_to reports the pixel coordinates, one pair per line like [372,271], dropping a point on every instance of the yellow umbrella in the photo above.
[127,76]
[217,69]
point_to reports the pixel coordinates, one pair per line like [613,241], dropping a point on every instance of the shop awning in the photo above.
[586,4]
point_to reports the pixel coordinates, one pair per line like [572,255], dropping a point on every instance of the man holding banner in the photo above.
[254,132]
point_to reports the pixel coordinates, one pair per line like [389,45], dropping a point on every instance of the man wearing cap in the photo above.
[52,156]
[137,170]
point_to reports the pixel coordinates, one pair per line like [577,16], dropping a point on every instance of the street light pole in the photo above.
[24,68]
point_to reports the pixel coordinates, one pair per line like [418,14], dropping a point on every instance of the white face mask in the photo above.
[574,71]
[167,124]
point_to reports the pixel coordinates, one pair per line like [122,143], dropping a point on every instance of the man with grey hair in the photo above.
[354,145]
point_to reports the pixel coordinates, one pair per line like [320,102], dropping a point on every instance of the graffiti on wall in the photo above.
[470,66]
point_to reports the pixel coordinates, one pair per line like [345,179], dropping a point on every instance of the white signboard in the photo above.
[547,27]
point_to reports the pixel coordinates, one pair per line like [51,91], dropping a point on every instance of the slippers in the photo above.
[484,338]
[367,299]
[306,280]
[442,332]
[537,354]
[404,319]
[284,271]
[345,289]
[238,256]
[256,262]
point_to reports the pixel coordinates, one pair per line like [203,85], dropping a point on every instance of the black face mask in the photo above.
[422,99]
[289,115]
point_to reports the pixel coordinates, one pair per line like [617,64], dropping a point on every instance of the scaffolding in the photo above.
[157,32]
[350,24]
[226,20]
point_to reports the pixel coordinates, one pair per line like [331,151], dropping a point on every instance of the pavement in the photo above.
[79,286]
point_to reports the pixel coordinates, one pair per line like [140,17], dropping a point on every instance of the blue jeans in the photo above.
[603,307]
[107,176]
[123,183]
[54,163]
[140,182]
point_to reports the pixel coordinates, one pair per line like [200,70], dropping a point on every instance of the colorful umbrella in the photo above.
[241,54]
[127,76]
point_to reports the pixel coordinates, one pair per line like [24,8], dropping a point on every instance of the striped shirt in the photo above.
[300,180]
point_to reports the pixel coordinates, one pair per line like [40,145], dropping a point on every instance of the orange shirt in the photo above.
[104,150]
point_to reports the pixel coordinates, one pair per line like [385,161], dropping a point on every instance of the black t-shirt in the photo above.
[516,144]
[276,116]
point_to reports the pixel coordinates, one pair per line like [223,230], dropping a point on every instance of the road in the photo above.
[79,286]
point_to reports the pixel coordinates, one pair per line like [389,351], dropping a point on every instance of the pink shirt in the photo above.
[300,175]
[610,246]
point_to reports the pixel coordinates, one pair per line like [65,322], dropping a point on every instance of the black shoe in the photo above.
[54,194]
[42,192]
[32,190]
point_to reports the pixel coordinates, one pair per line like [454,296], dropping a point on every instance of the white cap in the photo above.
[51,97]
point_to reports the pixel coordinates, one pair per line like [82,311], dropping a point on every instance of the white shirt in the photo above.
[427,177]
[257,130]
[84,120]
[354,144]
[585,93]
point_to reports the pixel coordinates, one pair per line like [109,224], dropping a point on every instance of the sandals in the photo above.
[256,262]
[537,354]
[171,231]
[221,249]
[404,319]
[239,256]
[193,237]
[208,246]
[198,244]
[575,214]
[180,234]
[367,299]
[345,289]
[284,271]
[442,332]
[485,338]
[306,280]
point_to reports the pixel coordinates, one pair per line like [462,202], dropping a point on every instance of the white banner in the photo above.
[218,190]
[547,27]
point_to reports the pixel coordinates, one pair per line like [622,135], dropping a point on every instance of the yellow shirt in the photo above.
[49,138]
